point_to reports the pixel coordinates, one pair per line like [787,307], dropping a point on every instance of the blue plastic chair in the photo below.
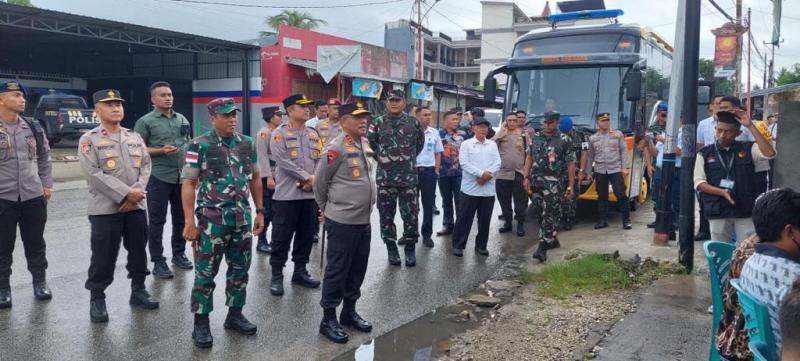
[718,255]
[757,322]
[762,351]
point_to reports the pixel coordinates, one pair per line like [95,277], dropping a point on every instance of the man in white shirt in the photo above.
[706,128]
[320,113]
[480,161]
[428,163]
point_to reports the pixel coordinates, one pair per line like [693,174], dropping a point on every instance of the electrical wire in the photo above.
[287,6]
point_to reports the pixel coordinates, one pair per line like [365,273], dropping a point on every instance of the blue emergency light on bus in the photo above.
[586,14]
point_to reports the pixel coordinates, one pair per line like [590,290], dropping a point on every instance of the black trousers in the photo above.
[618,185]
[450,189]
[159,195]
[427,189]
[512,189]
[347,256]
[108,231]
[466,213]
[30,215]
[296,219]
[267,201]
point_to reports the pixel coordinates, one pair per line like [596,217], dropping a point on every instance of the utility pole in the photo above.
[764,83]
[737,77]
[749,59]
[420,48]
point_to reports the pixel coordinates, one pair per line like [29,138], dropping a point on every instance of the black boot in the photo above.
[350,317]
[140,297]
[201,335]
[394,254]
[541,252]
[520,228]
[652,224]
[506,227]
[427,242]
[5,298]
[263,246]
[237,322]
[301,277]
[97,307]
[330,327]
[41,292]
[276,285]
[180,261]
[626,225]
[411,257]
[601,224]
[161,270]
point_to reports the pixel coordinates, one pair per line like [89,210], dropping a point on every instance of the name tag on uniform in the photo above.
[726,183]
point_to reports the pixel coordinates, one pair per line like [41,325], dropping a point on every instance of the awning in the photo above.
[312,65]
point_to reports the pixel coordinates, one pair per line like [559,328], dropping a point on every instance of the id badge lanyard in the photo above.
[727,182]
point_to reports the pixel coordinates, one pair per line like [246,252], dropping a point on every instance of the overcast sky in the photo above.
[366,23]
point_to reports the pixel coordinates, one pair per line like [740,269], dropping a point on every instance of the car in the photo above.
[64,116]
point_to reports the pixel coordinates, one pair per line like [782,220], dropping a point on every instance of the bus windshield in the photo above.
[580,93]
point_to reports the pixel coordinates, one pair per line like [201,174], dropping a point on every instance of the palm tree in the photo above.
[294,18]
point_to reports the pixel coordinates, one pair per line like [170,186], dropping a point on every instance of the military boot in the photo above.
[330,327]
[263,246]
[161,270]
[276,285]
[140,297]
[541,252]
[201,335]
[506,226]
[394,254]
[237,322]
[350,317]
[5,298]
[97,307]
[41,292]
[301,277]
[410,252]
[520,228]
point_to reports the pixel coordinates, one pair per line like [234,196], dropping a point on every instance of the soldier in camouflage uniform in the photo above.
[222,166]
[549,157]
[397,138]
[580,147]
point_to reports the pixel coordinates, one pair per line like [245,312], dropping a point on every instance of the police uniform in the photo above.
[345,190]
[296,152]
[579,146]
[608,153]
[397,140]
[224,169]
[25,171]
[328,130]
[267,167]
[551,156]
[510,178]
[114,164]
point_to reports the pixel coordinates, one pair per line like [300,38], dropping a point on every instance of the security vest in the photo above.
[748,184]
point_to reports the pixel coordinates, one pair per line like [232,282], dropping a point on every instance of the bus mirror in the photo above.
[489,87]
[633,86]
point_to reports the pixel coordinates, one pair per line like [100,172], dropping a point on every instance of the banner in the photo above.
[421,91]
[367,88]
[725,50]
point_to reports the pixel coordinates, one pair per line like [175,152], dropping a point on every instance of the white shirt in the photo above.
[475,158]
[313,122]
[707,133]
[660,147]
[433,144]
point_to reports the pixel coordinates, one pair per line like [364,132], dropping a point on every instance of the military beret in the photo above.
[106,95]
[11,86]
[334,101]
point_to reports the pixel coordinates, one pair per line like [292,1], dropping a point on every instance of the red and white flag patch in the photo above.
[191,157]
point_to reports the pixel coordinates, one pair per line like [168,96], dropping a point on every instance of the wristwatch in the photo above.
[260,210]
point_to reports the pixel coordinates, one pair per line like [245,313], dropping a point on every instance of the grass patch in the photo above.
[590,274]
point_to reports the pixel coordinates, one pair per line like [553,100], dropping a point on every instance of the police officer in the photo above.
[549,157]
[328,129]
[397,138]
[165,132]
[296,150]
[274,117]
[345,191]
[607,155]
[580,147]
[222,167]
[511,143]
[117,168]
[25,183]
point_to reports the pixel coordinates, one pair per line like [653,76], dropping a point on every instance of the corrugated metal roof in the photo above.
[773,90]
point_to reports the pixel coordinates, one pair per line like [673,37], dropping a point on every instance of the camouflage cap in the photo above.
[395,94]
[552,116]
[222,106]
[11,86]
[107,95]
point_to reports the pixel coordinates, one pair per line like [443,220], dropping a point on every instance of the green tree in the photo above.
[20,2]
[789,76]
[293,18]
[722,86]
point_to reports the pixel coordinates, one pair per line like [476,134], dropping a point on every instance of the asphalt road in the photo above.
[60,329]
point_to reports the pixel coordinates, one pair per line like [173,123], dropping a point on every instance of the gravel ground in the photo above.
[536,328]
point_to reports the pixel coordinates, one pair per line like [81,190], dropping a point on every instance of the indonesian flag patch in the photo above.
[191,157]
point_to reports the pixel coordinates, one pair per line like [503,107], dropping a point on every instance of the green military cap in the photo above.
[552,116]
[222,106]
[106,95]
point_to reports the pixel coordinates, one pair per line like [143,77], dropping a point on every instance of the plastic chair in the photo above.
[718,255]
[762,351]
[757,322]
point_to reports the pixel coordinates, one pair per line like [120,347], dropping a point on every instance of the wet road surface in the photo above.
[60,329]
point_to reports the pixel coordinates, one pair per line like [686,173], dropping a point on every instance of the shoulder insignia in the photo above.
[277,138]
[333,154]
[103,132]
[86,145]
[262,135]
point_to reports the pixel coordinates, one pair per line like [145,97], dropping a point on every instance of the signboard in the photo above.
[726,43]
[421,91]
[367,88]
[292,43]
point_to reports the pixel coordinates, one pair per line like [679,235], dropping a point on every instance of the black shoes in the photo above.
[350,317]
[458,252]
[201,335]
[5,298]
[626,225]
[445,231]
[161,270]
[263,247]
[482,252]
[237,322]
[702,236]
[394,254]
[506,227]
[332,330]
[541,252]
[40,291]
[276,286]
[427,242]
[141,298]
[601,224]
[180,261]
[520,229]
[97,310]
[302,278]
[652,224]
[411,257]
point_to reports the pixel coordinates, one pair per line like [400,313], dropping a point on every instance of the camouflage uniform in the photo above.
[569,206]
[397,141]
[224,168]
[551,156]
